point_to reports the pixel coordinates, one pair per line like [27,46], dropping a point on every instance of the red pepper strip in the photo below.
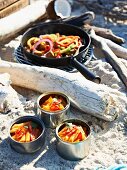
[73,37]
[71,132]
[19,133]
[61,38]
[65,43]
[63,131]
[47,48]
[79,136]
[57,53]
[54,107]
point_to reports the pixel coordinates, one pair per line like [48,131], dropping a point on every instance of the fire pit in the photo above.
[18,53]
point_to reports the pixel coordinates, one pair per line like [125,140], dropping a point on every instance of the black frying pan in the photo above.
[65,29]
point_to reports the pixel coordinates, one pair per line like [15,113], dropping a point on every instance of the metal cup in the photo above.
[52,119]
[28,147]
[73,151]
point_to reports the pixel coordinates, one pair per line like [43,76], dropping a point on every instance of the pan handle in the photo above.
[85,71]
[87,17]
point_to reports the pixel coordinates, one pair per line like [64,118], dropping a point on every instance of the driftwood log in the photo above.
[115,62]
[105,33]
[110,38]
[118,50]
[100,101]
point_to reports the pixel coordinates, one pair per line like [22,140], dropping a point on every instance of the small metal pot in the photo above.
[73,151]
[52,119]
[28,147]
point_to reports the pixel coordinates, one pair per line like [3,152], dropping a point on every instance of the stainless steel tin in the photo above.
[73,151]
[28,147]
[52,119]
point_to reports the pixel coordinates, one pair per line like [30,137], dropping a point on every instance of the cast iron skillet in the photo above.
[65,29]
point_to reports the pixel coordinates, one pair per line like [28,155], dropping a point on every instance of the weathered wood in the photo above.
[4,4]
[99,101]
[13,8]
[118,50]
[105,33]
[115,62]
[17,21]
[9,98]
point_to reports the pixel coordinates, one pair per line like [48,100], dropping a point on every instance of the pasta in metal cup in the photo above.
[53,108]
[73,139]
[27,134]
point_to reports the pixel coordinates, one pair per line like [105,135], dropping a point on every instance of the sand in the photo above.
[108,142]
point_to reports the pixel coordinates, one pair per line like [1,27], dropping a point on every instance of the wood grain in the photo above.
[5,3]
[13,8]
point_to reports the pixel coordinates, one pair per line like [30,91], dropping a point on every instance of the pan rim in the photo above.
[55,24]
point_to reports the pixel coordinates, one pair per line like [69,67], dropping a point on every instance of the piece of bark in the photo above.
[98,100]
[105,33]
[115,62]
[17,21]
